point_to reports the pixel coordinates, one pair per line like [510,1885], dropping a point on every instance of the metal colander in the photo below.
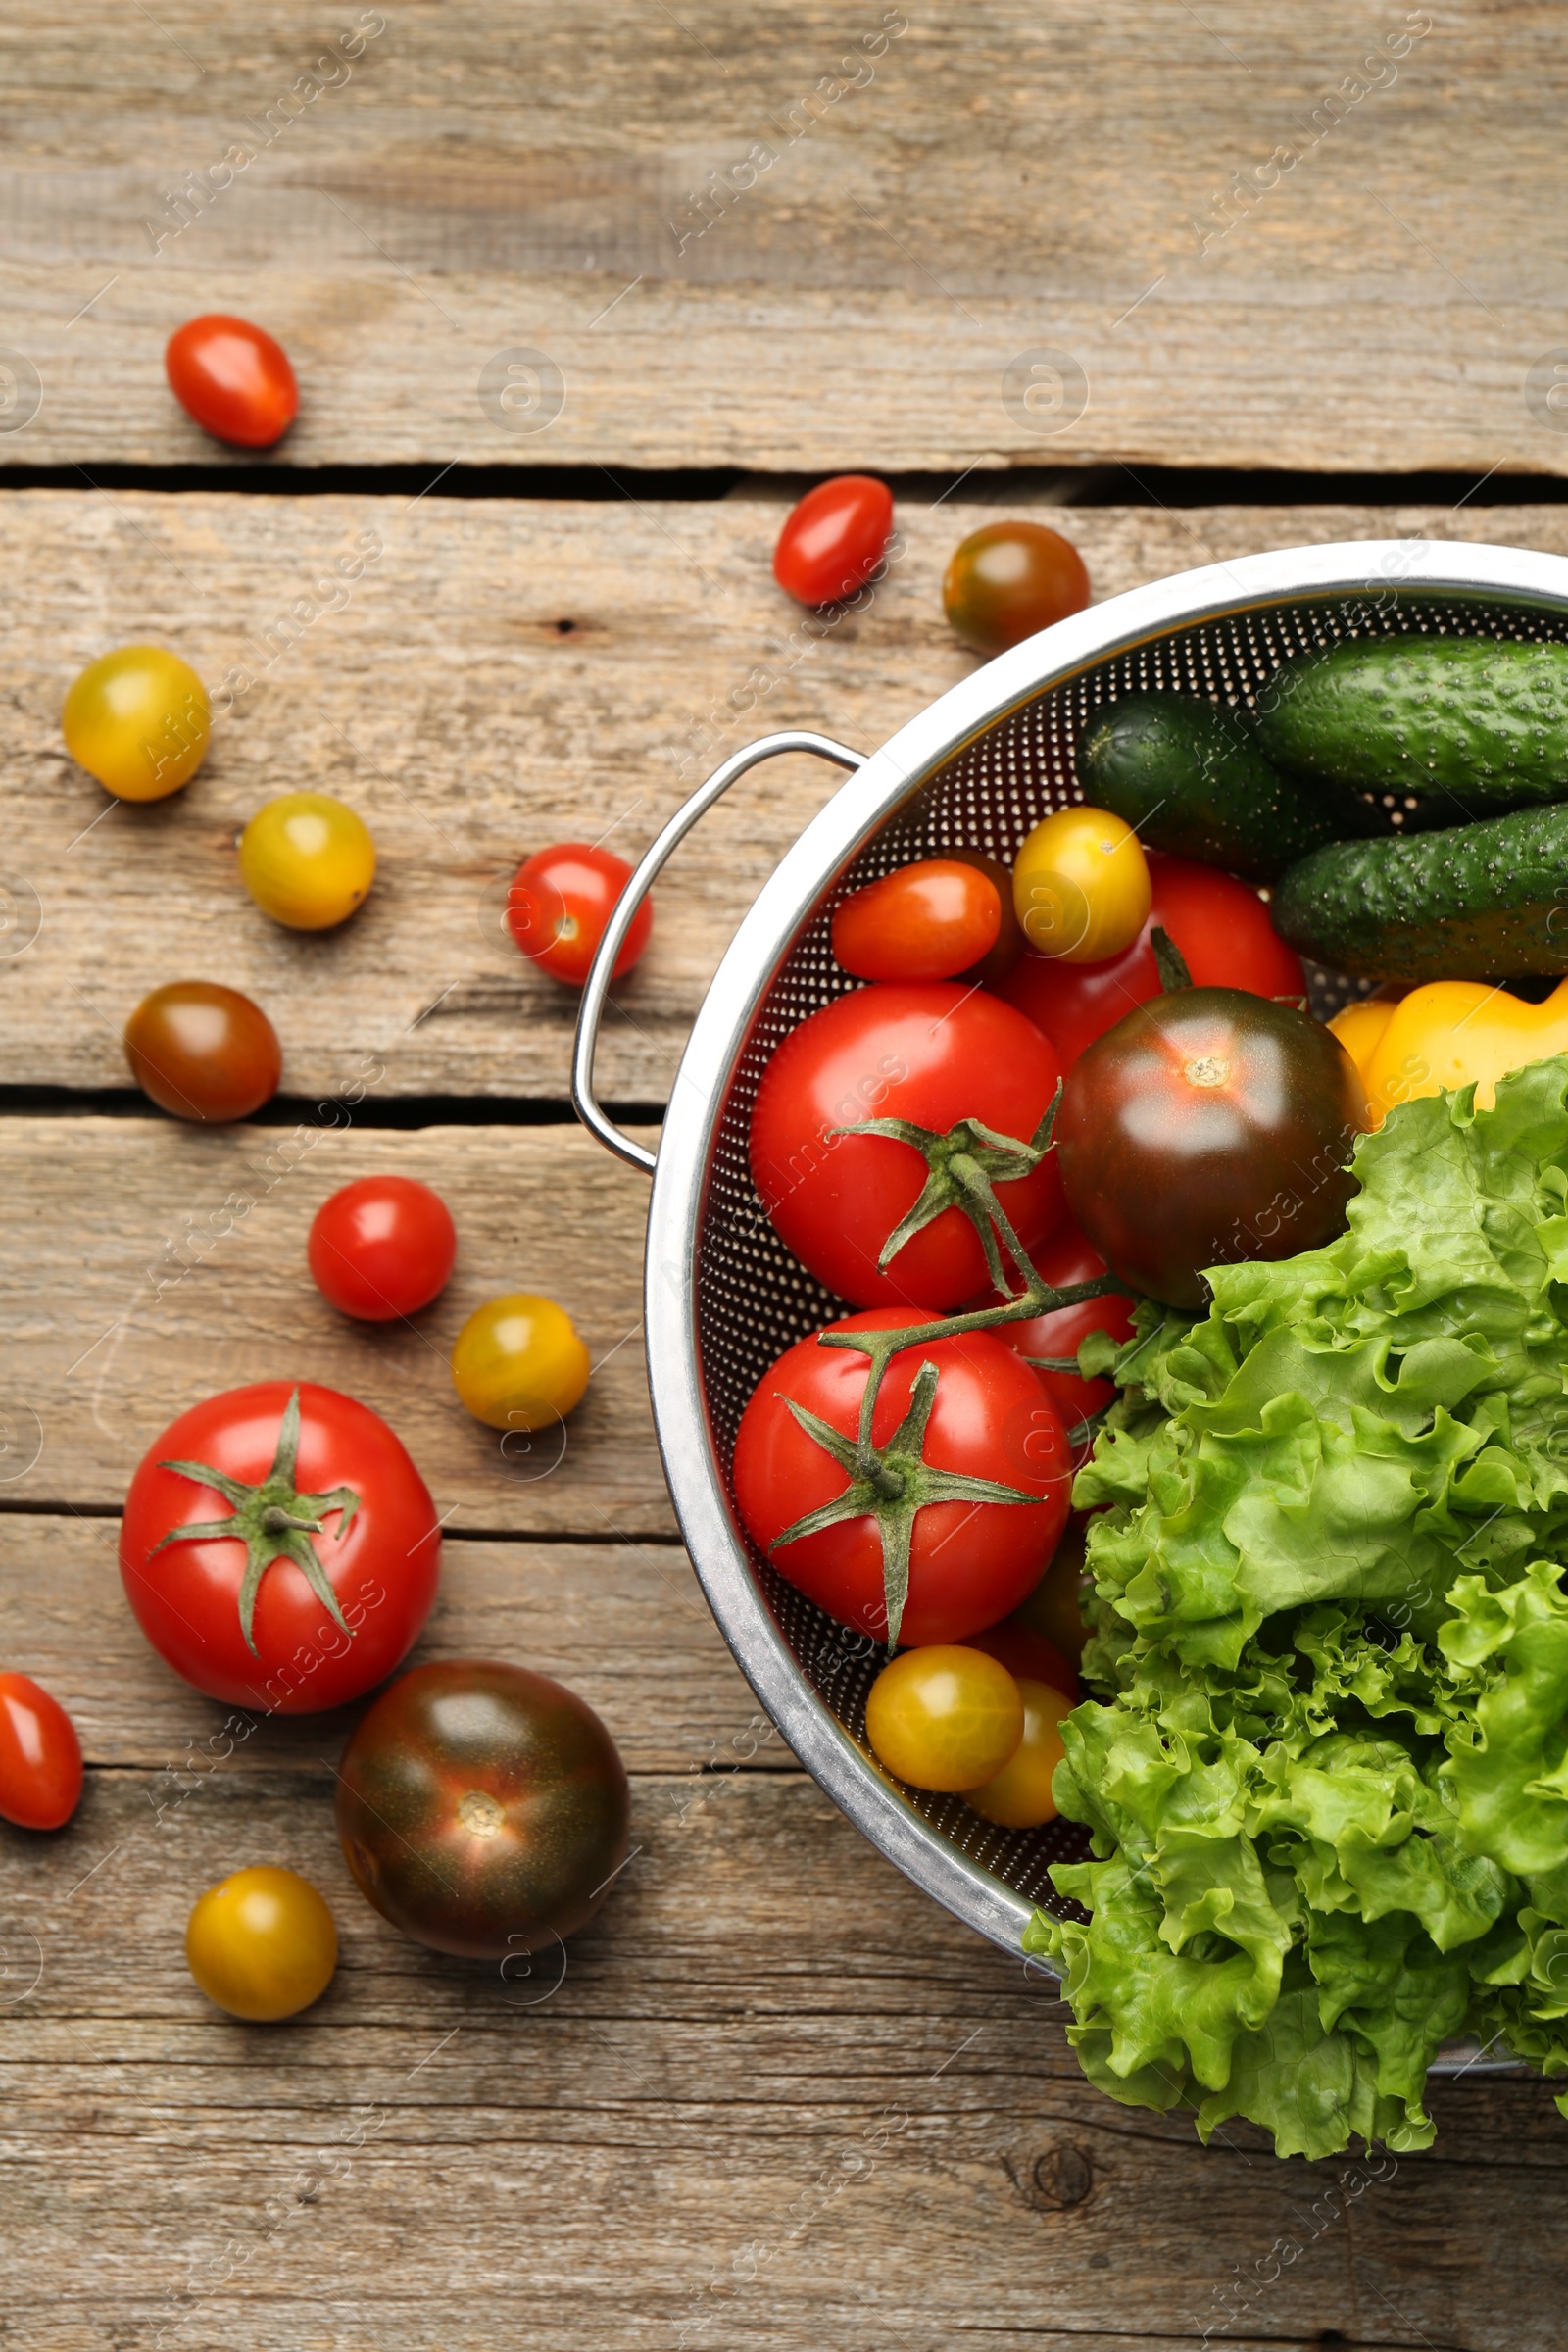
[724,1296]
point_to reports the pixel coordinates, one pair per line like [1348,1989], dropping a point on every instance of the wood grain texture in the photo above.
[445,699]
[137,1280]
[1108,181]
[777,2097]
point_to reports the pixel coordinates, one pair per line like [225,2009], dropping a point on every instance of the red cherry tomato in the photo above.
[203,1052]
[928,921]
[233,379]
[1010,579]
[930,1052]
[969,1564]
[1028,1655]
[1063,1258]
[835,538]
[321,1633]
[1221,926]
[558,904]
[382,1246]
[40,1757]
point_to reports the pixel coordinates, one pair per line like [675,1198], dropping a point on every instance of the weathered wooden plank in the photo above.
[624,1624]
[445,699]
[812,235]
[137,1280]
[776,2094]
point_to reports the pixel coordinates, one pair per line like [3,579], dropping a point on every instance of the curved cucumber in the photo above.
[1481,724]
[1189,776]
[1474,902]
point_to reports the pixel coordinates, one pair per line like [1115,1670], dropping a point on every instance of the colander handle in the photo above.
[596,993]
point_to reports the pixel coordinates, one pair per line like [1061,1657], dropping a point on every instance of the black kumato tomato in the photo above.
[482,1808]
[1208,1127]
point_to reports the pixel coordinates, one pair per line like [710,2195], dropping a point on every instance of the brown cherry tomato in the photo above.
[233,379]
[203,1052]
[1027,1655]
[40,1757]
[482,1809]
[926,921]
[1208,1128]
[1008,579]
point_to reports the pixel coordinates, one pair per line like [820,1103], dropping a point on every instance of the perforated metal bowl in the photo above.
[724,1296]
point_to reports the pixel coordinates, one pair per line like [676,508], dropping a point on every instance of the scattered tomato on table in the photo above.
[1010,579]
[382,1248]
[945,1718]
[262,1944]
[139,721]
[519,1362]
[1081,886]
[203,1052]
[307,859]
[40,1757]
[279,1547]
[558,904]
[926,921]
[483,1809]
[834,539]
[233,379]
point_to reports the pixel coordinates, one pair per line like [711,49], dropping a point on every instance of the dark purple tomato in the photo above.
[1010,579]
[1208,1127]
[482,1808]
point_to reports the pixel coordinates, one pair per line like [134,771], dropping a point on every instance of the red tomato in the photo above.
[1221,926]
[203,1052]
[1028,1655]
[833,540]
[233,379]
[558,904]
[335,1609]
[926,921]
[382,1246]
[969,1564]
[40,1757]
[1065,1258]
[928,1051]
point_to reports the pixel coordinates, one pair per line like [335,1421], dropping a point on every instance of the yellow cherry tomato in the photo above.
[262,1944]
[1020,1798]
[1081,886]
[307,859]
[945,1717]
[138,720]
[518,1363]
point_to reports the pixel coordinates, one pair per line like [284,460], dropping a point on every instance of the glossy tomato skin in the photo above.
[559,904]
[384,1570]
[1010,579]
[970,1564]
[834,539]
[1206,1128]
[931,1051]
[382,1246]
[203,1052]
[262,1944]
[926,921]
[233,379]
[519,1363]
[482,1809]
[40,1757]
[1063,1258]
[138,720]
[946,1717]
[1221,926]
[307,859]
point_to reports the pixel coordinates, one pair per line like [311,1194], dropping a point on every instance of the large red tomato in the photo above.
[1065,1259]
[1221,926]
[970,1562]
[330,1570]
[931,1053]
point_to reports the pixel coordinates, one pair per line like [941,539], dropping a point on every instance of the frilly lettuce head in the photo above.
[1329,1793]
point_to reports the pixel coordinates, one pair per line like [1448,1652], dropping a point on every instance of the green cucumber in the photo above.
[1474,902]
[1188,776]
[1482,724]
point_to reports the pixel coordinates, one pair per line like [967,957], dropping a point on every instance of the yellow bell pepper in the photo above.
[1445,1035]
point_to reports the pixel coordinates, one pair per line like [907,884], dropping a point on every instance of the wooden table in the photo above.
[779,2097]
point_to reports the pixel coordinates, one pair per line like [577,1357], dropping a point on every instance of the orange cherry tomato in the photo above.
[203,1052]
[925,922]
[1020,1796]
[40,1757]
[1010,579]
[233,379]
[833,541]
[558,904]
